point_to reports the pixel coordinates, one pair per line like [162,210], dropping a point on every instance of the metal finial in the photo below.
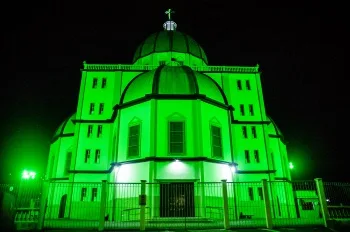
[169,12]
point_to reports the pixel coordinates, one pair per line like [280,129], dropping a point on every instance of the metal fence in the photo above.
[177,205]
[338,199]
[21,202]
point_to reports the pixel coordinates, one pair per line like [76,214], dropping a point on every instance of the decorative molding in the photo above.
[144,68]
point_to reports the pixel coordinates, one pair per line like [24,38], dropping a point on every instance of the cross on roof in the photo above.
[169,12]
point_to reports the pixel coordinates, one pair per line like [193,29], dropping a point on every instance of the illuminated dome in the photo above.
[173,80]
[66,127]
[170,41]
[273,128]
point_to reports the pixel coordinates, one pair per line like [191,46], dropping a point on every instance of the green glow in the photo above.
[291,166]
[28,175]
[169,117]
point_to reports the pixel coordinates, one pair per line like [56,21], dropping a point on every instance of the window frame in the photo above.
[254,132]
[248,85]
[99,131]
[87,156]
[211,141]
[247,156]
[244,132]
[104,83]
[97,158]
[183,136]
[94,82]
[92,108]
[69,155]
[239,85]
[101,108]
[251,110]
[90,130]
[138,123]
[256,156]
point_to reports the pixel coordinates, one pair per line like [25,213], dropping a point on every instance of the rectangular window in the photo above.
[256,156]
[83,194]
[97,156]
[94,194]
[244,132]
[251,110]
[260,192]
[251,193]
[239,85]
[176,137]
[241,108]
[99,131]
[254,132]
[306,205]
[247,156]
[216,141]
[134,141]
[247,83]
[94,83]
[102,107]
[92,108]
[89,132]
[104,83]
[87,156]
[68,161]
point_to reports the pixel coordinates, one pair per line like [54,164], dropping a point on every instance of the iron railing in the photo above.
[176,205]
[338,199]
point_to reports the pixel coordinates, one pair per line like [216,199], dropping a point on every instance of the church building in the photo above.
[167,117]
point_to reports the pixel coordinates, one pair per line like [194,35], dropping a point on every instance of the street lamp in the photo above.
[28,175]
[291,166]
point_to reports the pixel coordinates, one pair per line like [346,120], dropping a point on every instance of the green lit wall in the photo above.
[241,87]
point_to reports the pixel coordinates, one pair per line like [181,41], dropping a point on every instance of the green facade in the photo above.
[169,116]
[114,97]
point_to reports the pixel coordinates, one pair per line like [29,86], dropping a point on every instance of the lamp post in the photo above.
[26,188]
[28,175]
[291,166]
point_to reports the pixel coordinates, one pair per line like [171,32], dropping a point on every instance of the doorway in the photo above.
[177,199]
[62,206]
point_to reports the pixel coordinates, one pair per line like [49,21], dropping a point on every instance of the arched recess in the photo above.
[62,208]
[68,161]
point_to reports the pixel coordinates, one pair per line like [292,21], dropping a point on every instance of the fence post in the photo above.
[142,203]
[322,199]
[43,204]
[101,224]
[267,204]
[225,205]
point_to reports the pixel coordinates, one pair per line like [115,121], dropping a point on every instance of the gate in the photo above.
[21,203]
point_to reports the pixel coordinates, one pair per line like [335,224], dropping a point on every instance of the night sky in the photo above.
[299,48]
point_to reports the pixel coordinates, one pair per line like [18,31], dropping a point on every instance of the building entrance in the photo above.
[177,200]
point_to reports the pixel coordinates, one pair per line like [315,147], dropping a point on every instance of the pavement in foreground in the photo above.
[338,228]
[299,229]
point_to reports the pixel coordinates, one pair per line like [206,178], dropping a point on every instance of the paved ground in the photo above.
[304,229]
[337,228]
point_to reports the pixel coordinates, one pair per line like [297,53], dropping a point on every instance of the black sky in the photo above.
[299,46]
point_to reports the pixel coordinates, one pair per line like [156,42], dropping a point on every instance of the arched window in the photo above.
[176,134]
[216,138]
[134,138]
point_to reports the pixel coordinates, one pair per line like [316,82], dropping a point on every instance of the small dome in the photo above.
[66,127]
[173,80]
[170,41]
[273,128]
